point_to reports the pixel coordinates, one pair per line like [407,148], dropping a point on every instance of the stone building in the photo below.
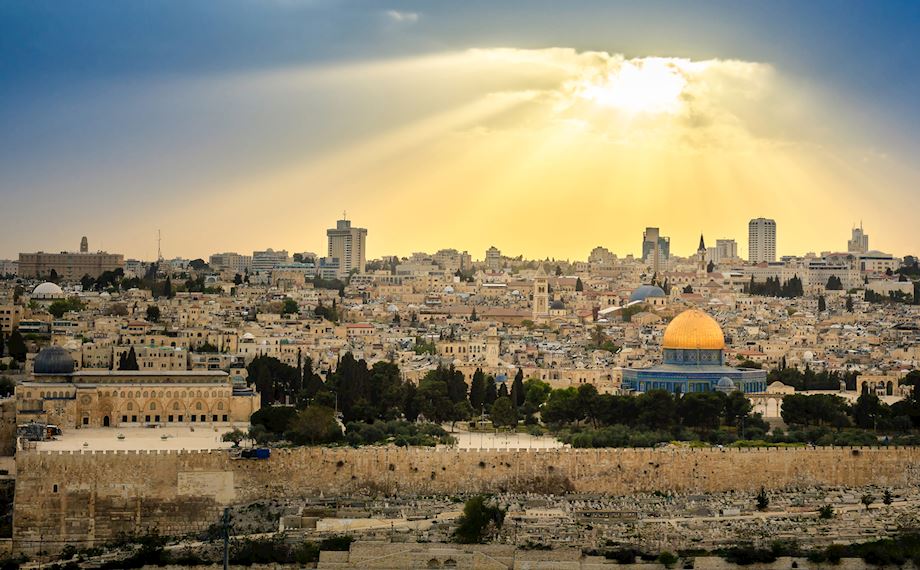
[59,395]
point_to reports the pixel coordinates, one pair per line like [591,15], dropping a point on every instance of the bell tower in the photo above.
[540,295]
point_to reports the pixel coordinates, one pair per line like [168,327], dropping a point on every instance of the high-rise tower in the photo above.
[347,244]
[761,240]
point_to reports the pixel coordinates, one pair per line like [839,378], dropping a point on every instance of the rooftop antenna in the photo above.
[344,215]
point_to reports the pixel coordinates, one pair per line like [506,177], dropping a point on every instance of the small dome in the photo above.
[47,290]
[693,329]
[557,305]
[725,385]
[646,291]
[53,360]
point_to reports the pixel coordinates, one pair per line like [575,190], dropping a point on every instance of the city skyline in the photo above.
[546,140]
[740,244]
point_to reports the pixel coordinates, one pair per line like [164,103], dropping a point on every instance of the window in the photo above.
[156,419]
[134,419]
[198,406]
[124,419]
[180,418]
[147,419]
[224,417]
[176,406]
[54,488]
[214,418]
[194,418]
[85,421]
[130,406]
[169,418]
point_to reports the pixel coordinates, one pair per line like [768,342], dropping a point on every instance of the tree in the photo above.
[503,413]
[289,306]
[2,344]
[61,306]
[237,279]
[737,406]
[887,497]
[478,521]
[688,289]
[834,284]
[517,389]
[710,267]
[478,389]
[701,410]
[849,305]
[763,501]
[128,360]
[822,304]
[433,399]
[167,289]
[491,391]
[826,512]
[868,410]
[579,286]
[314,424]
[867,499]
[234,437]
[17,346]
[153,313]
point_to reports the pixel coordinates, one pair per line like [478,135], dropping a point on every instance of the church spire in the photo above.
[702,244]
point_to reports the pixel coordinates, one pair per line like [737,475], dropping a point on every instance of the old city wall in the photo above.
[86,498]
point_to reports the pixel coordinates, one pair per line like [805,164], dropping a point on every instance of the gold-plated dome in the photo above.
[693,329]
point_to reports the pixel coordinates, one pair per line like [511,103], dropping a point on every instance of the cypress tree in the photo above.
[17,346]
[478,389]
[491,391]
[517,389]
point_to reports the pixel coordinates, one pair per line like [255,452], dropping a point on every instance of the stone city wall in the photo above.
[86,498]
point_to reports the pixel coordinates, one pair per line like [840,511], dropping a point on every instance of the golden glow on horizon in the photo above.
[550,153]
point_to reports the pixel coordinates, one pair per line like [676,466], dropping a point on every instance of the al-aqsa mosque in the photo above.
[693,346]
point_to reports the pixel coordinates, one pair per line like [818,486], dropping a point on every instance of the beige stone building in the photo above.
[59,395]
[68,265]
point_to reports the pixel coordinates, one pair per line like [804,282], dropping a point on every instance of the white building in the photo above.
[348,245]
[761,240]
[265,261]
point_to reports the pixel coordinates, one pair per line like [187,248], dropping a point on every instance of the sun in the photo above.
[651,85]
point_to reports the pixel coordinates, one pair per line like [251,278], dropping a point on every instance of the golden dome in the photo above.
[693,329]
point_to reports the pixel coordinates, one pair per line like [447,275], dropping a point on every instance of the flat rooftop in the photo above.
[140,438]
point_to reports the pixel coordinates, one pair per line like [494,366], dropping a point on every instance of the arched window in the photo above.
[145,394]
[130,406]
[198,406]
[153,405]
[220,405]
[176,406]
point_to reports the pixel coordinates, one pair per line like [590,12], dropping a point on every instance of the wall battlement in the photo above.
[89,497]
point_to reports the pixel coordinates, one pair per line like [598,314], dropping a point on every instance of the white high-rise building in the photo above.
[347,244]
[264,261]
[761,240]
[859,243]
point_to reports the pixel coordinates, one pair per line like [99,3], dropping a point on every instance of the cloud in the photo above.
[402,17]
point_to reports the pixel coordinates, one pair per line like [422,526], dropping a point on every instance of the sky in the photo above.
[543,128]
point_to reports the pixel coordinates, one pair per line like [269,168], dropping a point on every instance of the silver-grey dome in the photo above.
[646,291]
[53,360]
